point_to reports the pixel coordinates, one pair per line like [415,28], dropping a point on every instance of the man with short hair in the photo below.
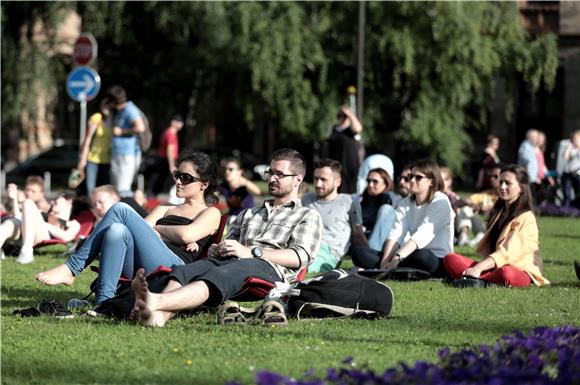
[272,242]
[103,198]
[125,151]
[527,156]
[168,154]
[403,186]
[341,215]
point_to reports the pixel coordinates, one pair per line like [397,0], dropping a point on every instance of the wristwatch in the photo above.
[257,252]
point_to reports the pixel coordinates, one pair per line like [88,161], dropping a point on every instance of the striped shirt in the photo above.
[289,226]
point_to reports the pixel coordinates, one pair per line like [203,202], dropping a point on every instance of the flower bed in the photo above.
[544,356]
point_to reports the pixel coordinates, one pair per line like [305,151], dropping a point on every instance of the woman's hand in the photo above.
[474,272]
[12,190]
[192,247]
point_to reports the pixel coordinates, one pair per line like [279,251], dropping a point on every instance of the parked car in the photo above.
[58,160]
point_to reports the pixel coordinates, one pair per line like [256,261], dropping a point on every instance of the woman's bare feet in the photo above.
[145,311]
[57,275]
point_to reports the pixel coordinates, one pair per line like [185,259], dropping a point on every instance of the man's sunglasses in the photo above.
[406,178]
[185,178]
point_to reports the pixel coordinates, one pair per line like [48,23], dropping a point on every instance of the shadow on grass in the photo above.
[25,297]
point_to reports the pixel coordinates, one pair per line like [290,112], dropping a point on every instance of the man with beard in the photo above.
[341,215]
[272,242]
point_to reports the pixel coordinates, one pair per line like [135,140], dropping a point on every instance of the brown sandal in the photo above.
[272,313]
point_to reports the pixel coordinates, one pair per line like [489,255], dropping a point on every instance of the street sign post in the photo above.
[85,49]
[83,84]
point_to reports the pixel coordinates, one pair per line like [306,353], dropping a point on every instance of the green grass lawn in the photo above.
[426,317]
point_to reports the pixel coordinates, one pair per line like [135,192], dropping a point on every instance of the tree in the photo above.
[259,75]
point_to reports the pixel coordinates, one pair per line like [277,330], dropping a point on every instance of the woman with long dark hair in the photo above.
[510,245]
[170,235]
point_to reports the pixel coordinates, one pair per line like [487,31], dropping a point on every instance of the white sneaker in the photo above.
[2,253]
[475,241]
[462,239]
[25,256]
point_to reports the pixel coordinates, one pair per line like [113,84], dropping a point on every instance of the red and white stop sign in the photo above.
[85,49]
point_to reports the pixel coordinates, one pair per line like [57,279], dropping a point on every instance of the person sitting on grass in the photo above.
[169,236]
[422,234]
[341,216]
[236,189]
[510,245]
[36,227]
[467,217]
[272,242]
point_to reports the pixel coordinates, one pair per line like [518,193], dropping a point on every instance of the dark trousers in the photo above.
[225,276]
[422,259]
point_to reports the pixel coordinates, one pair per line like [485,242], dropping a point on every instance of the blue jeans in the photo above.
[385,219]
[125,243]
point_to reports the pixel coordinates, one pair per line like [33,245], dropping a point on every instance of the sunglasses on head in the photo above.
[185,178]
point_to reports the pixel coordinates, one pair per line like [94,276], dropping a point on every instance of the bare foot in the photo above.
[57,275]
[144,311]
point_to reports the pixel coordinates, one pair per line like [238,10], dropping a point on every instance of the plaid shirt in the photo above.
[289,226]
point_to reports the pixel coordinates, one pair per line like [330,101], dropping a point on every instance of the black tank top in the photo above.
[179,249]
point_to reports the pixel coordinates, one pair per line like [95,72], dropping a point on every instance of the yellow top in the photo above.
[100,151]
[518,246]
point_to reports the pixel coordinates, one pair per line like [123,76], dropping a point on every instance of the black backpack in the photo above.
[339,293]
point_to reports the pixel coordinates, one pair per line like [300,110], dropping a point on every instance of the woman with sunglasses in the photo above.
[169,235]
[376,205]
[236,189]
[35,226]
[422,234]
[510,245]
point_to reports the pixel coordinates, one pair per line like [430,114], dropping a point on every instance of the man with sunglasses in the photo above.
[271,242]
[341,215]
[403,186]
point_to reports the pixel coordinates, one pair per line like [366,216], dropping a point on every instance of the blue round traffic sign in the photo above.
[83,84]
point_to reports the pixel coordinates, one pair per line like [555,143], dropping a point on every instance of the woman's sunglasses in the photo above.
[417,177]
[185,178]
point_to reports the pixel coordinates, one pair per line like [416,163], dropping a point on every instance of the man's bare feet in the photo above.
[144,310]
[57,275]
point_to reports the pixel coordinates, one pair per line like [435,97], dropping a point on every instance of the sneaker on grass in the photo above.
[25,256]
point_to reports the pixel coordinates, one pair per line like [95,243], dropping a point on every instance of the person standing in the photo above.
[488,160]
[125,151]
[343,146]
[95,158]
[571,172]
[168,154]
[527,157]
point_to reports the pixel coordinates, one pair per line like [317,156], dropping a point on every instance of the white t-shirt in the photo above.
[429,225]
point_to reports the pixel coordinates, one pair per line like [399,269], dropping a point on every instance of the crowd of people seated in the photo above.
[412,221]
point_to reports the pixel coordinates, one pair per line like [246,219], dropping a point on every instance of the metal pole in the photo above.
[360,59]
[83,119]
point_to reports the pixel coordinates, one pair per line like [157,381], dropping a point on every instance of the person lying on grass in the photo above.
[34,226]
[510,245]
[272,242]
[169,236]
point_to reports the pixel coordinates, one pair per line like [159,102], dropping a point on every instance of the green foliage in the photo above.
[427,316]
[280,69]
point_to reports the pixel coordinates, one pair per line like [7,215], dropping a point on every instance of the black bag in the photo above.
[338,293]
